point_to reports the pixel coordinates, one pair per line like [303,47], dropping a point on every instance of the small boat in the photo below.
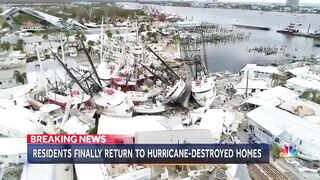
[291,29]
[91,25]
[138,96]
[306,156]
[149,108]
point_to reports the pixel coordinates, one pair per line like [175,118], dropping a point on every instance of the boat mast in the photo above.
[69,73]
[204,51]
[90,14]
[41,69]
[101,41]
[91,64]
[62,50]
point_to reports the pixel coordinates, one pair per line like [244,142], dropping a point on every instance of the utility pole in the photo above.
[247,83]
[309,28]
[101,41]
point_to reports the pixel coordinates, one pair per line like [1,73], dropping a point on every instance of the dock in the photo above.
[252,27]
[300,34]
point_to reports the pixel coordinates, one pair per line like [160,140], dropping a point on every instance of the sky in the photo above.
[270,1]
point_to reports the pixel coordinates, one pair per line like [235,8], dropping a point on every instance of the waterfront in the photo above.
[234,55]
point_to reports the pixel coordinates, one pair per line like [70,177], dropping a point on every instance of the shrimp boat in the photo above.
[111,61]
[291,29]
[175,86]
[114,103]
[134,80]
[203,86]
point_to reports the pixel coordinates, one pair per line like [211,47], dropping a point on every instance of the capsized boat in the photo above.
[175,91]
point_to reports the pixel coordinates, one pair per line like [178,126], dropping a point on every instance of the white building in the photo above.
[48,172]
[300,85]
[52,70]
[7,79]
[16,122]
[119,125]
[196,136]
[252,86]
[271,124]
[114,172]
[256,71]
[13,59]
[73,52]
[303,108]
[13,150]
[272,97]
[292,3]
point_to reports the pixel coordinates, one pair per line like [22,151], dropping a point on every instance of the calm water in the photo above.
[233,56]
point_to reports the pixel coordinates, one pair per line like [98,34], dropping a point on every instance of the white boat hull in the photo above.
[153,110]
[204,99]
[204,92]
[115,104]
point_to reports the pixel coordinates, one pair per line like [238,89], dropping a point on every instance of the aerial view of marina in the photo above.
[162,72]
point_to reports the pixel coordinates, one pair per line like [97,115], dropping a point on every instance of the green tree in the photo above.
[19,45]
[141,28]
[80,36]
[109,34]
[20,77]
[5,25]
[149,35]
[143,38]
[278,79]
[45,37]
[90,44]
[148,27]
[312,95]
[5,46]
[67,34]
[162,17]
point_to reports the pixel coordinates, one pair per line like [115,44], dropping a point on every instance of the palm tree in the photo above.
[20,77]
[80,36]
[109,34]
[19,45]
[45,37]
[90,44]
[278,79]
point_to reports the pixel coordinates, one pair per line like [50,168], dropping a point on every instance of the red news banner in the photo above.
[78,139]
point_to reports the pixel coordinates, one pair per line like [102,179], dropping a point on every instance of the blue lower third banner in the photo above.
[148,153]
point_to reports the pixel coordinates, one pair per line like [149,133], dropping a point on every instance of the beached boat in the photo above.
[175,91]
[204,91]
